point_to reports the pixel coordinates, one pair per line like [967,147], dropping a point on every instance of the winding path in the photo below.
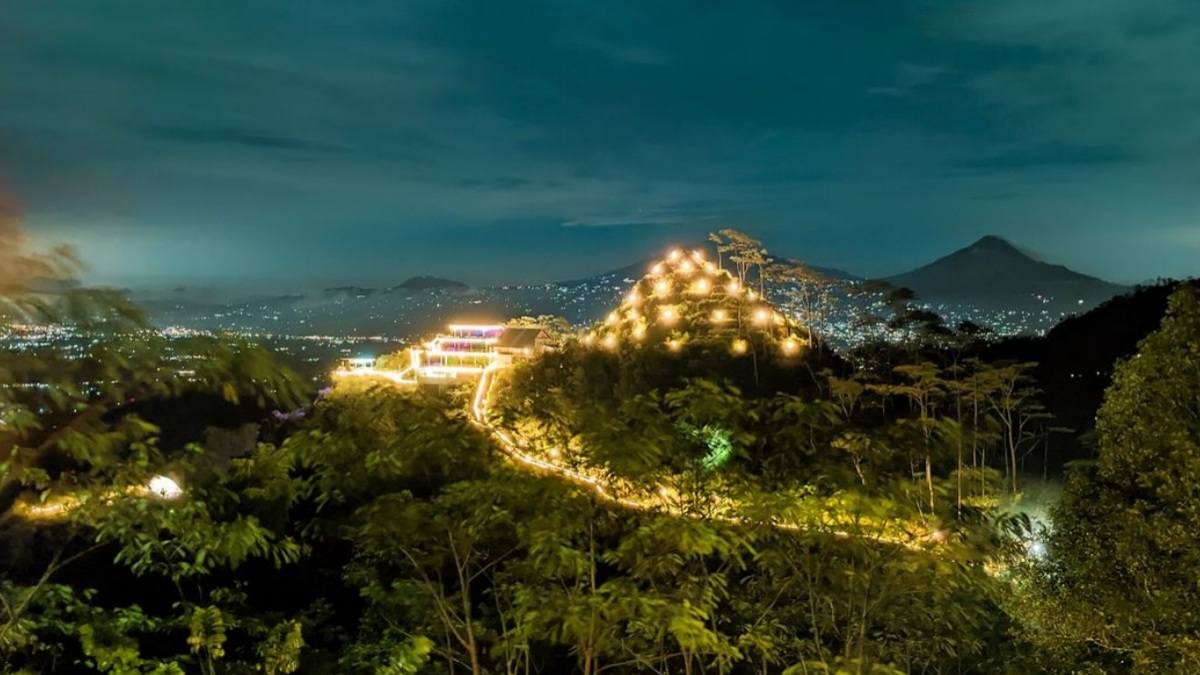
[512,448]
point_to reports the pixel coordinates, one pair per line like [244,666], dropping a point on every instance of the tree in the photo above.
[82,486]
[1122,583]
[745,252]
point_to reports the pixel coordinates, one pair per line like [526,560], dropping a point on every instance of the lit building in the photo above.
[461,354]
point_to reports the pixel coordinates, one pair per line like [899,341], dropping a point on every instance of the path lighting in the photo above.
[164,488]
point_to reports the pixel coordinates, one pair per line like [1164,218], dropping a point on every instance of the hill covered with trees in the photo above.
[773,508]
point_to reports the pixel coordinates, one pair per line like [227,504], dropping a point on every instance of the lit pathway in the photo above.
[514,450]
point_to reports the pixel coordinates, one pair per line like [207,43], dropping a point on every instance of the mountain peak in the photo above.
[995,244]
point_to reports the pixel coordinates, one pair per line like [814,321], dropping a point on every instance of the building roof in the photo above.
[520,338]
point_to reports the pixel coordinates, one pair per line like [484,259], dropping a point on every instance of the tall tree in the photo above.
[1122,584]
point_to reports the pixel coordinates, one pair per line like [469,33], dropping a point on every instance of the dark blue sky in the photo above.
[304,142]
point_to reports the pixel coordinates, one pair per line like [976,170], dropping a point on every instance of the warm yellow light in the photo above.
[674,345]
[632,314]
[554,453]
[657,269]
[739,346]
[702,286]
[720,315]
[589,339]
[761,317]
[610,342]
[662,287]
[791,346]
[674,255]
[613,317]
[710,267]
[734,287]
[687,266]
[639,332]
[698,254]
[751,295]
[667,315]
[633,298]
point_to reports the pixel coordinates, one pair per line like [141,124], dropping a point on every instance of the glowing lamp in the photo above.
[667,315]
[633,298]
[751,295]
[639,332]
[720,316]
[613,318]
[791,346]
[739,346]
[674,345]
[610,342]
[734,287]
[662,287]
[674,255]
[589,339]
[687,266]
[761,317]
[554,453]
[710,267]
[164,488]
[657,269]
[702,286]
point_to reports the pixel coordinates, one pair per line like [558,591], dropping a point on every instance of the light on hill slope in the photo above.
[686,298]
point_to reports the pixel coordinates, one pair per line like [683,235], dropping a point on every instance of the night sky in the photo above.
[294,143]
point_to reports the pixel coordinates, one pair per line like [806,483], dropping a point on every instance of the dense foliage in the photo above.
[725,514]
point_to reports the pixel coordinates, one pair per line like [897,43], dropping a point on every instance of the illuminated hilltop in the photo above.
[686,298]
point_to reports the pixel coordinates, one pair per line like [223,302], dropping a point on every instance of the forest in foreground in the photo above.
[882,525]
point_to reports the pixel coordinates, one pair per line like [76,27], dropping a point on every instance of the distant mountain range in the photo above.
[989,283]
[994,274]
